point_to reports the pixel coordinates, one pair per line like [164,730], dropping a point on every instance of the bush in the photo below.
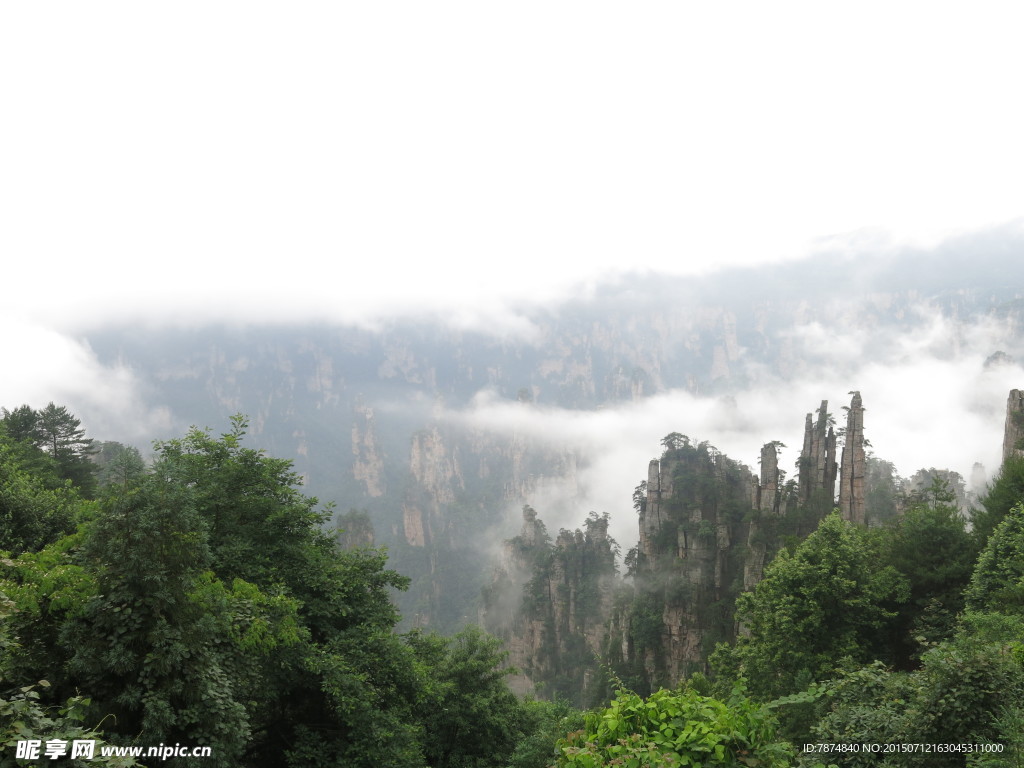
[676,728]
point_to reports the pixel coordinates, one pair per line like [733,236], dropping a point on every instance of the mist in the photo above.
[46,365]
[932,398]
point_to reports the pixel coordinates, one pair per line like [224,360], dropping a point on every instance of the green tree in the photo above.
[470,716]
[969,689]
[118,464]
[260,527]
[344,694]
[144,645]
[21,424]
[675,441]
[931,547]
[60,434]
[997,583]
[826,601]
[202,602]
[545,722]
[18,434]
[882,489]
[1006,491]
[24,715]
[32,512]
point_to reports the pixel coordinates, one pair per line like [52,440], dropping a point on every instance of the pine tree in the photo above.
[60,434]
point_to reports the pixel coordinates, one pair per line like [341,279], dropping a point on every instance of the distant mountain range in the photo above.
[366,414]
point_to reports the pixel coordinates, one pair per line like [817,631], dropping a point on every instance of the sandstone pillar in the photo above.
[1013,435]
[854,461]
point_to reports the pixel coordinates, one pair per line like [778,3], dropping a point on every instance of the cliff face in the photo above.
[367,461]
[550,602]
[1013,436]
[705,532]
[346,402]
[437,478]
[458,486]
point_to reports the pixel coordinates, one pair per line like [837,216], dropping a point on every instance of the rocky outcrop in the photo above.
[434,467]
[853,467]
[413,527]
[551,603]
[708,527]
[701,514]
[437,477]
[367,461]
[771,500]
[1013,435]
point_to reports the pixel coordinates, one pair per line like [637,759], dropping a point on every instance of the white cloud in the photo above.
[44,365]
[344,161]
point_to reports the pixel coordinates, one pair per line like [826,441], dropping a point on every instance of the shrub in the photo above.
[676,728]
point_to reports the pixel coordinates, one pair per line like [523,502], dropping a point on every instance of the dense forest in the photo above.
[200,599]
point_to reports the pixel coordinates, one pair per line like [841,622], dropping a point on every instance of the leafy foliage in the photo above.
[998,580]
[143,644]
[929,545]
[544,723]
[676,728]
[826,601]
[118,464]
[31,514]
[53,433]
[968,690]
[480,719]
[24,716]
[1004,493]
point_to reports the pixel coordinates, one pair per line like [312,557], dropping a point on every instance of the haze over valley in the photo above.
[383,385]
[442,432]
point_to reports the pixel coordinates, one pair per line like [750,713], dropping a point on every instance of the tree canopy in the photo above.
[203,601]
[827,600]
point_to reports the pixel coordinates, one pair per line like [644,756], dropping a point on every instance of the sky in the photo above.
[347,162]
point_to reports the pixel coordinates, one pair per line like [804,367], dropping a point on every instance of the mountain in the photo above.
[386,419]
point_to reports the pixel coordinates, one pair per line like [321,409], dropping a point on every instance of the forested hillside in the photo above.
[893,619]
[437,431]
[203,601]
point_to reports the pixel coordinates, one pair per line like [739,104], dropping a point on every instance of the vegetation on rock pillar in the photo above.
[826,601]
[1006,491]
[998,580]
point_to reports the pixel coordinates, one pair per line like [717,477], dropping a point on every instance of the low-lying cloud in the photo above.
[932,399]
[45,365]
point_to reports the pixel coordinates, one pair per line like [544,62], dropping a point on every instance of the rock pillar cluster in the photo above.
[853,467]
[551,603]
[818,460]
[708,528]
